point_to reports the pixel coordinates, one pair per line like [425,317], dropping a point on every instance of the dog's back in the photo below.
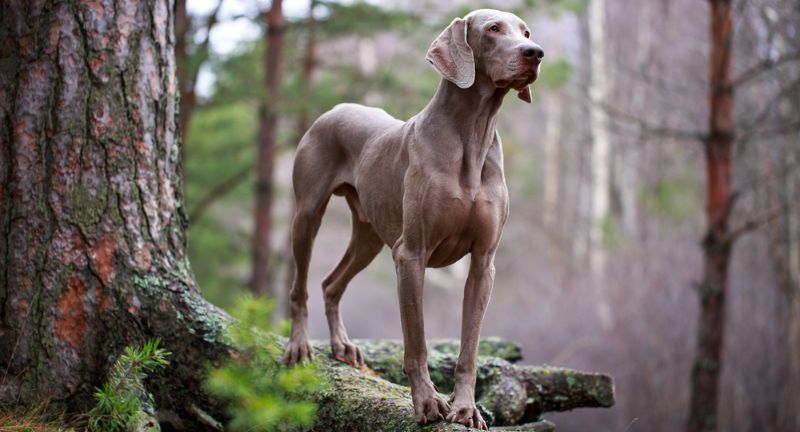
[343,131]
[330,151]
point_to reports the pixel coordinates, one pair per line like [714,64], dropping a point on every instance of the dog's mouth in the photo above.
[520,80]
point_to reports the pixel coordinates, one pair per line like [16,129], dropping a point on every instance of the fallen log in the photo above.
[356,400]
[376,398]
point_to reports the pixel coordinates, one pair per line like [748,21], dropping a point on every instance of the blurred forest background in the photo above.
[602,263]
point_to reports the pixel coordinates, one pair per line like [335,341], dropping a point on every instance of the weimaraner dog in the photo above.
[431,188]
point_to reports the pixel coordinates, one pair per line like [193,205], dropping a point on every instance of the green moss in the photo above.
[88,208]
[487,347]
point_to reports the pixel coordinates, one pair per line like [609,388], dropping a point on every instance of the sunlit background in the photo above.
[622,302]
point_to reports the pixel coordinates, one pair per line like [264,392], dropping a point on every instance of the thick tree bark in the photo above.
[93,254]
[267,135]
[187,96]
[717,242]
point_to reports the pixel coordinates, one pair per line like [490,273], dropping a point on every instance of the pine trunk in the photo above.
[188,98]
[189,63]
[717,243]
[268,119]
[93,257]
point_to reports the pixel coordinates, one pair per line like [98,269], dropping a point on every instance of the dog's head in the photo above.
[488,42]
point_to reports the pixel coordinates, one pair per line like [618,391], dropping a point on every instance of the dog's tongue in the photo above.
[525,94]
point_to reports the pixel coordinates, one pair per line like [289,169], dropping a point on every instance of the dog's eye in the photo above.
[494,28]
[527,34]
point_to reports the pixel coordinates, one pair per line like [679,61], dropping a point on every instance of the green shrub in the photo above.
[263,394]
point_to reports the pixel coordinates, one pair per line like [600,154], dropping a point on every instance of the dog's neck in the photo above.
[472,114]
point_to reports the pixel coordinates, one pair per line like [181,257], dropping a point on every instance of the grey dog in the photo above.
[431,188]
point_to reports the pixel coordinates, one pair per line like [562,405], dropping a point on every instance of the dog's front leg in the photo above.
[477,291]
[410,267]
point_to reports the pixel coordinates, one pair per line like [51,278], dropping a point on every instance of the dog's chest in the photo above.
[459,219]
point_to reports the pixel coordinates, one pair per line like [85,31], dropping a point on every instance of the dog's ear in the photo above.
[452,56]
[525,94]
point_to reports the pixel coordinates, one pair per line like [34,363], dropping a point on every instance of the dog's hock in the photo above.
[451,55]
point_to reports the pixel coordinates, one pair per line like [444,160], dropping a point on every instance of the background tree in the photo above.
[599,90]
[190,57]
[261,282]
[717,242]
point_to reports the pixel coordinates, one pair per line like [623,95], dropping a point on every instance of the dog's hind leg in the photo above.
[363,248]
[304,228]
[312,194]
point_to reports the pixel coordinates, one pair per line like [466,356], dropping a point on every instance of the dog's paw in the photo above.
[298,351]
[430,408]
[468,415]
[347,352]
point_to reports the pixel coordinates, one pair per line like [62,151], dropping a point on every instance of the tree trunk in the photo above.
[267,136]
[187,95]
[628,156]
[189,64]
[599,87]
[93,257]
[717,243]
[309,67]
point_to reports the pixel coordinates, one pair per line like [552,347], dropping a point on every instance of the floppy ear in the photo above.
[451,55]
[525,94]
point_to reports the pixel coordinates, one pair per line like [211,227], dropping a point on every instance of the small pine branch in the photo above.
[123,402]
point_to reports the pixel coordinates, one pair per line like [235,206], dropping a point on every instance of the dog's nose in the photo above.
[533,52]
